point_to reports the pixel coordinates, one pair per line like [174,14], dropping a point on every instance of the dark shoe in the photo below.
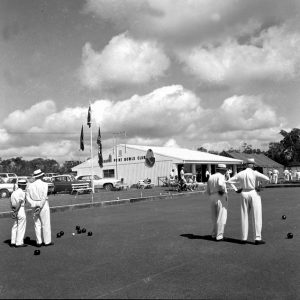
[38,245]
[12,245]
[242,242]
[21,246]
[259,242]
[50,244]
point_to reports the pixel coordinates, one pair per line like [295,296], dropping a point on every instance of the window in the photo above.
[109,173]
[120,152]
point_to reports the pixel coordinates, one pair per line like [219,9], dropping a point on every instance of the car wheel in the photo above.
[108,187]
[4,193]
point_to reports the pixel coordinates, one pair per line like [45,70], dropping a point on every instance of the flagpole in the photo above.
[92,163]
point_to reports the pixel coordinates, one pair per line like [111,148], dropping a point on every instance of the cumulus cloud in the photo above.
[273,55]
[170,116]
[123,60]
[30,118]
[192,20]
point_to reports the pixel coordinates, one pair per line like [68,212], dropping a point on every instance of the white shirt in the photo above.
[172,175]
[216,183]
[37,192]
[248,179]
[275,172]
[18,196]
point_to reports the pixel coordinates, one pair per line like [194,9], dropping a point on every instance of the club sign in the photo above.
[150,159]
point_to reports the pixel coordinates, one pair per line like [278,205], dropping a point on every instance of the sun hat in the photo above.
[221,167]
[250,161]
[22,182]
[37,173]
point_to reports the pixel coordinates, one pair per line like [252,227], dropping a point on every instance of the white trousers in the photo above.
[218,214]
[275,178]
[19,228]
[42,225]
[251,206]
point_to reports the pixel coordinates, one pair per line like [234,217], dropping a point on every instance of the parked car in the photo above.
[68,183]
[6,188]
[101,183]
[49,176]
[7,176]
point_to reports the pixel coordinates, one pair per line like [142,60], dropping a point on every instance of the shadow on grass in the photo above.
[27,241]
[209,238]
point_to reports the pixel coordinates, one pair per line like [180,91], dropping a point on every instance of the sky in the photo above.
[177,73]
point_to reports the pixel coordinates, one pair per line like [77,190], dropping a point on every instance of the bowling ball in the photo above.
[90,233]
[83,230]
[58,235]
[290,235]
[283,217]
[62,233]
[37,252]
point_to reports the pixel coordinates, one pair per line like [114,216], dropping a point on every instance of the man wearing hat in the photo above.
[36,195]
[217,192]
[17,201]
[248,181]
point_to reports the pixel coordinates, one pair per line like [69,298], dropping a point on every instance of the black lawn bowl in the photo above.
[27,239]
[290,235]
[283,217]
[79,231]
[58,235]
[37,252]
[83,230]
[62,233]
[90,233]
[77,227]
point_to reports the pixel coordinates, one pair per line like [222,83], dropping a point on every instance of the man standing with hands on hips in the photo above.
[248,181]
[36,196]
[217,192]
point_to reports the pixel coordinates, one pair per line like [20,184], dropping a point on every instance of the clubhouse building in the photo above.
[134,162]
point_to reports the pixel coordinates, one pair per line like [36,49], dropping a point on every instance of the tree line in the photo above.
[23,167]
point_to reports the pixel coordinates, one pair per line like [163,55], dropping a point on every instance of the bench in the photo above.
[81,187]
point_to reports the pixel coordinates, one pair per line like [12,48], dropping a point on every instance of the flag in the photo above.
[89,117]
[100,158]
[81,139]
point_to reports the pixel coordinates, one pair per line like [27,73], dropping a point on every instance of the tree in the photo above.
[291,144]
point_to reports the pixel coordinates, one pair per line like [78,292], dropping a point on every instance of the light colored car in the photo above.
[7,176]
[6,188]
[101,183]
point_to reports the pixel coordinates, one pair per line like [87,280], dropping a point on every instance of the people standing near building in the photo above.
[217,192]
[270,174]
[172,175]
[249,182]
[207,174]
[36,196]
[182,173]
[275,176]
[17,201]
[286,174]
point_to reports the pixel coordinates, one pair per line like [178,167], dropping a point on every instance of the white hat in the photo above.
[221,167]
[250,161]
[22,182]
[37,173]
